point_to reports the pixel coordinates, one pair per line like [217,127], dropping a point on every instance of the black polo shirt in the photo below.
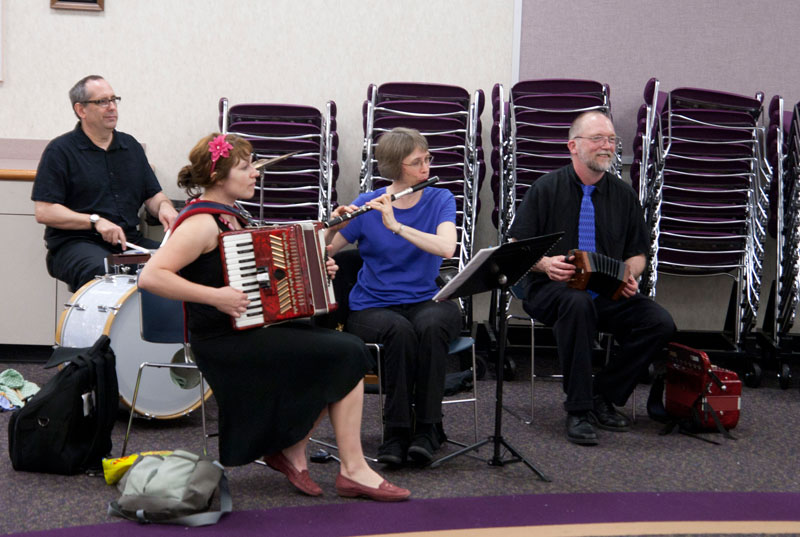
[87,179]
[553,204]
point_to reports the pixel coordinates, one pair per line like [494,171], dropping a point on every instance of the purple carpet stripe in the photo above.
[366,518]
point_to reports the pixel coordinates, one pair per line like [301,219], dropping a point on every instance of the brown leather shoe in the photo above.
[301,480]
[386,492]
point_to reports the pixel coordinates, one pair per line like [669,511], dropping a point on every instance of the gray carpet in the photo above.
[762,459]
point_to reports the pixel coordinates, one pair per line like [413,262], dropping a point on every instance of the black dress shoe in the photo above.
[605,416]
[394,448]
[424,444]
[580,431]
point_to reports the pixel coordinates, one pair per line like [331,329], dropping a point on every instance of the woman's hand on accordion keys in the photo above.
[231,301]
[557,268]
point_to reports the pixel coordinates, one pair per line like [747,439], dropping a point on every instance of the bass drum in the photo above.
[110,305]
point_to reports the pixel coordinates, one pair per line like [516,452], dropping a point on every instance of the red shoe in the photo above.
[301,480]
[386,492]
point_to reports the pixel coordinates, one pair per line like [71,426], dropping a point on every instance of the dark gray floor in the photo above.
[764,458]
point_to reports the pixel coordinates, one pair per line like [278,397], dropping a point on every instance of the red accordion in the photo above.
[282,271]
[695,388]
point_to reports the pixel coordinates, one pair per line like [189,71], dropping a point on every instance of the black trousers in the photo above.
[640,326]
[79,261]
[415,339]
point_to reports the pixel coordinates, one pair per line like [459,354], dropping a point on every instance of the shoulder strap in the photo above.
[209,207]
[204,207]
[95,359]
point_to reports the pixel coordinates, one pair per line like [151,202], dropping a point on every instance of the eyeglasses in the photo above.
[417,163]
[103,103]
[600,139]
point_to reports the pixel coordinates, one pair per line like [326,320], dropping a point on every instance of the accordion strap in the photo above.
[209,207]
[192,208]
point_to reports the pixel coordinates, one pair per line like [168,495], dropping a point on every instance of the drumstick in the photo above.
[135,247]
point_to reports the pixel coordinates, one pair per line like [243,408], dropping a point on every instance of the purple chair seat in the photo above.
[444,108]
[278,147]
[711,134]
[276,129]
[724,247]
[289,180]
[274,112]
[694,194]
[544,145]
[712,150]
[549,161]
[693,211]
[447,142]
[559,85]
[543,131]
[705,98]
[445,157]
[709,117]
[419,90]
[527,177]
[432,125]
[560,102]
[708,165]
[273,196]
[669,224]
[710,180]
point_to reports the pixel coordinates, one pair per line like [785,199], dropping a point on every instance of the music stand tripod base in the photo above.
[498,268]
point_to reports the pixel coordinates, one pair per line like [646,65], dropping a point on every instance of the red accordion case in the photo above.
[693,382]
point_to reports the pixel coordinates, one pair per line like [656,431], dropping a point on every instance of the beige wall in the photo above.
[171,61]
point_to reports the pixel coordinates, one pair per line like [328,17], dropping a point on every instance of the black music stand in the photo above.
[499,267]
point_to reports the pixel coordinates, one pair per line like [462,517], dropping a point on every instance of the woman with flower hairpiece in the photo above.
[274,383]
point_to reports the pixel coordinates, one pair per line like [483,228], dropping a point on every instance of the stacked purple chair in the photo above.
[783,156]
[704,185]
[530,133]
[302,187]
[449,118]
[647,148]
[500,160]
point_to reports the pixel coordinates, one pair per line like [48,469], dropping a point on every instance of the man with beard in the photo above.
[596,212]
[89,187]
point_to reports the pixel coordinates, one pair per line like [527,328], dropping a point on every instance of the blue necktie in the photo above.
[586,224]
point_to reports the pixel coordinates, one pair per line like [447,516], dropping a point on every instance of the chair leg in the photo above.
[609,344]
[533,370]
[136,395]
[474,394]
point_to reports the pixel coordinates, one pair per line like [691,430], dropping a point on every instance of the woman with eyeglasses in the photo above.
[402,244]
[273,383]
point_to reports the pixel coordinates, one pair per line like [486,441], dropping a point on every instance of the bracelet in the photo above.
[399,230]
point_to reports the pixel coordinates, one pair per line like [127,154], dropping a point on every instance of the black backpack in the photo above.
[66,427]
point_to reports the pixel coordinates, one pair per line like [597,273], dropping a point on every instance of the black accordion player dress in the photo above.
[270,383]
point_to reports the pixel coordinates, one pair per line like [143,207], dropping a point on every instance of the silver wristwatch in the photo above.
[93,219]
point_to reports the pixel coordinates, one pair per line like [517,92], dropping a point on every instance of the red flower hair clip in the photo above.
[219,147]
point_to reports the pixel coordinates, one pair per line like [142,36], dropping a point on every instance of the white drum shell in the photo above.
[110,305]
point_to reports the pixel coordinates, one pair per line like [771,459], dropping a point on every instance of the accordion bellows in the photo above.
[596,272]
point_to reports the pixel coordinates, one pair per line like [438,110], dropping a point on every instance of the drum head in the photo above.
[110,305]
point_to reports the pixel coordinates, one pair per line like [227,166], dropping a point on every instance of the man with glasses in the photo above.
[89,187]
[598,212]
